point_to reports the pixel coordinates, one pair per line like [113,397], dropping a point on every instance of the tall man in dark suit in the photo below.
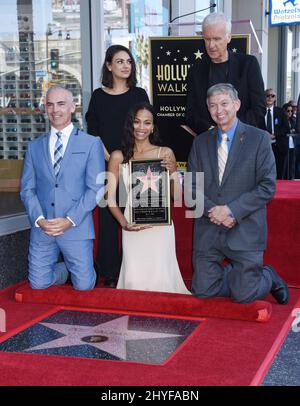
[297,171]
[63,177]
[239,180]
[277,125]
[223,66]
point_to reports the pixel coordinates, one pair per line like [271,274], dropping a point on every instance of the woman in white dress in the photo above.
[149,258]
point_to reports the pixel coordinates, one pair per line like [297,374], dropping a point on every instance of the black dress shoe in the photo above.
[279,289]
[110,283]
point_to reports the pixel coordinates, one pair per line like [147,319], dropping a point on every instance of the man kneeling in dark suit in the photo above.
[239,180]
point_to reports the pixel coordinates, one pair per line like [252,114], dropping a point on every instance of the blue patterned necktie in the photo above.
[58,156]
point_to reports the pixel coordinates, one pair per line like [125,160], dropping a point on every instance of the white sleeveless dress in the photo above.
[149,257]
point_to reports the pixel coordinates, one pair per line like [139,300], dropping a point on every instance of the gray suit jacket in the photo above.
[248,184]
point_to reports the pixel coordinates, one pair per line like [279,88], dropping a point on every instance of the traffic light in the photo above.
[54,60]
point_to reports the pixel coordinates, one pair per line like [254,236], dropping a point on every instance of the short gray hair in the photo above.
[223,88]
[214,18]
[59,87]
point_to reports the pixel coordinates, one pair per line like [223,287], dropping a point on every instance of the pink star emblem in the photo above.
[149,181]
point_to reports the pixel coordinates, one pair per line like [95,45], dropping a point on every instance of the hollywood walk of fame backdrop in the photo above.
[121,337]
[170,60]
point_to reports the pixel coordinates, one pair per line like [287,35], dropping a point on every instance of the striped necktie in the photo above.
[58,155]
[222,156]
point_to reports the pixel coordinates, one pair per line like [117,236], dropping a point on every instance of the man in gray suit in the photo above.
[239,180]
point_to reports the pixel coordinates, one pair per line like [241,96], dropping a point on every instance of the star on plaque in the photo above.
[168,53]
[149,181]
[198,54]
[234,50]
[110,337]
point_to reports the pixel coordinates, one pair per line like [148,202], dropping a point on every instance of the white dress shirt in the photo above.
[66,132]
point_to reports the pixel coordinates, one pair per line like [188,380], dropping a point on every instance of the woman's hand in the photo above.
[169,163]
[135,227]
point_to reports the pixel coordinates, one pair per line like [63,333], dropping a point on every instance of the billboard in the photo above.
[170,61]
[284,12]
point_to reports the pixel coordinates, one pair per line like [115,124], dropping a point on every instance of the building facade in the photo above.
[43,42]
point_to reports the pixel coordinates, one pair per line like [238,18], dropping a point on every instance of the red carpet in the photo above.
[283,250]
[147,302]
[223,352]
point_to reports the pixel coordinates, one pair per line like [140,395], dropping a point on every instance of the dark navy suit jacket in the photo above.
[244,74]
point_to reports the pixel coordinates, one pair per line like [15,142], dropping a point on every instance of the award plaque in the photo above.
[149,192]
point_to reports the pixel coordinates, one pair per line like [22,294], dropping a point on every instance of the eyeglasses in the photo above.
[271,95]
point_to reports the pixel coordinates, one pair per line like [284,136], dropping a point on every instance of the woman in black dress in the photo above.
[105,117]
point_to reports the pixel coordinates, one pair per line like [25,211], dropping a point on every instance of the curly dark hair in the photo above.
[107,77]
[128,137]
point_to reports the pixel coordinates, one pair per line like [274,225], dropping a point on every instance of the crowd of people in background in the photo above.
[280,122]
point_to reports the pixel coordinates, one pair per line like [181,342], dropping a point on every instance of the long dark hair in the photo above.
[107,77]
[128,137]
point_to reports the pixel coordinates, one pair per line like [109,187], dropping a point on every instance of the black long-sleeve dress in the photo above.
[105,118]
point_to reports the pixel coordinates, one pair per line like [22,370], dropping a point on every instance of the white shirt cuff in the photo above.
[73,224]
[36,221]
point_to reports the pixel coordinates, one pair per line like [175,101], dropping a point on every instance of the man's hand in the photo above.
[271,136]
[229,222]
[55,227]
[218,214]
[221,215]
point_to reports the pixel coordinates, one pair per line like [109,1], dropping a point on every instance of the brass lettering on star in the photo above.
[94,339]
